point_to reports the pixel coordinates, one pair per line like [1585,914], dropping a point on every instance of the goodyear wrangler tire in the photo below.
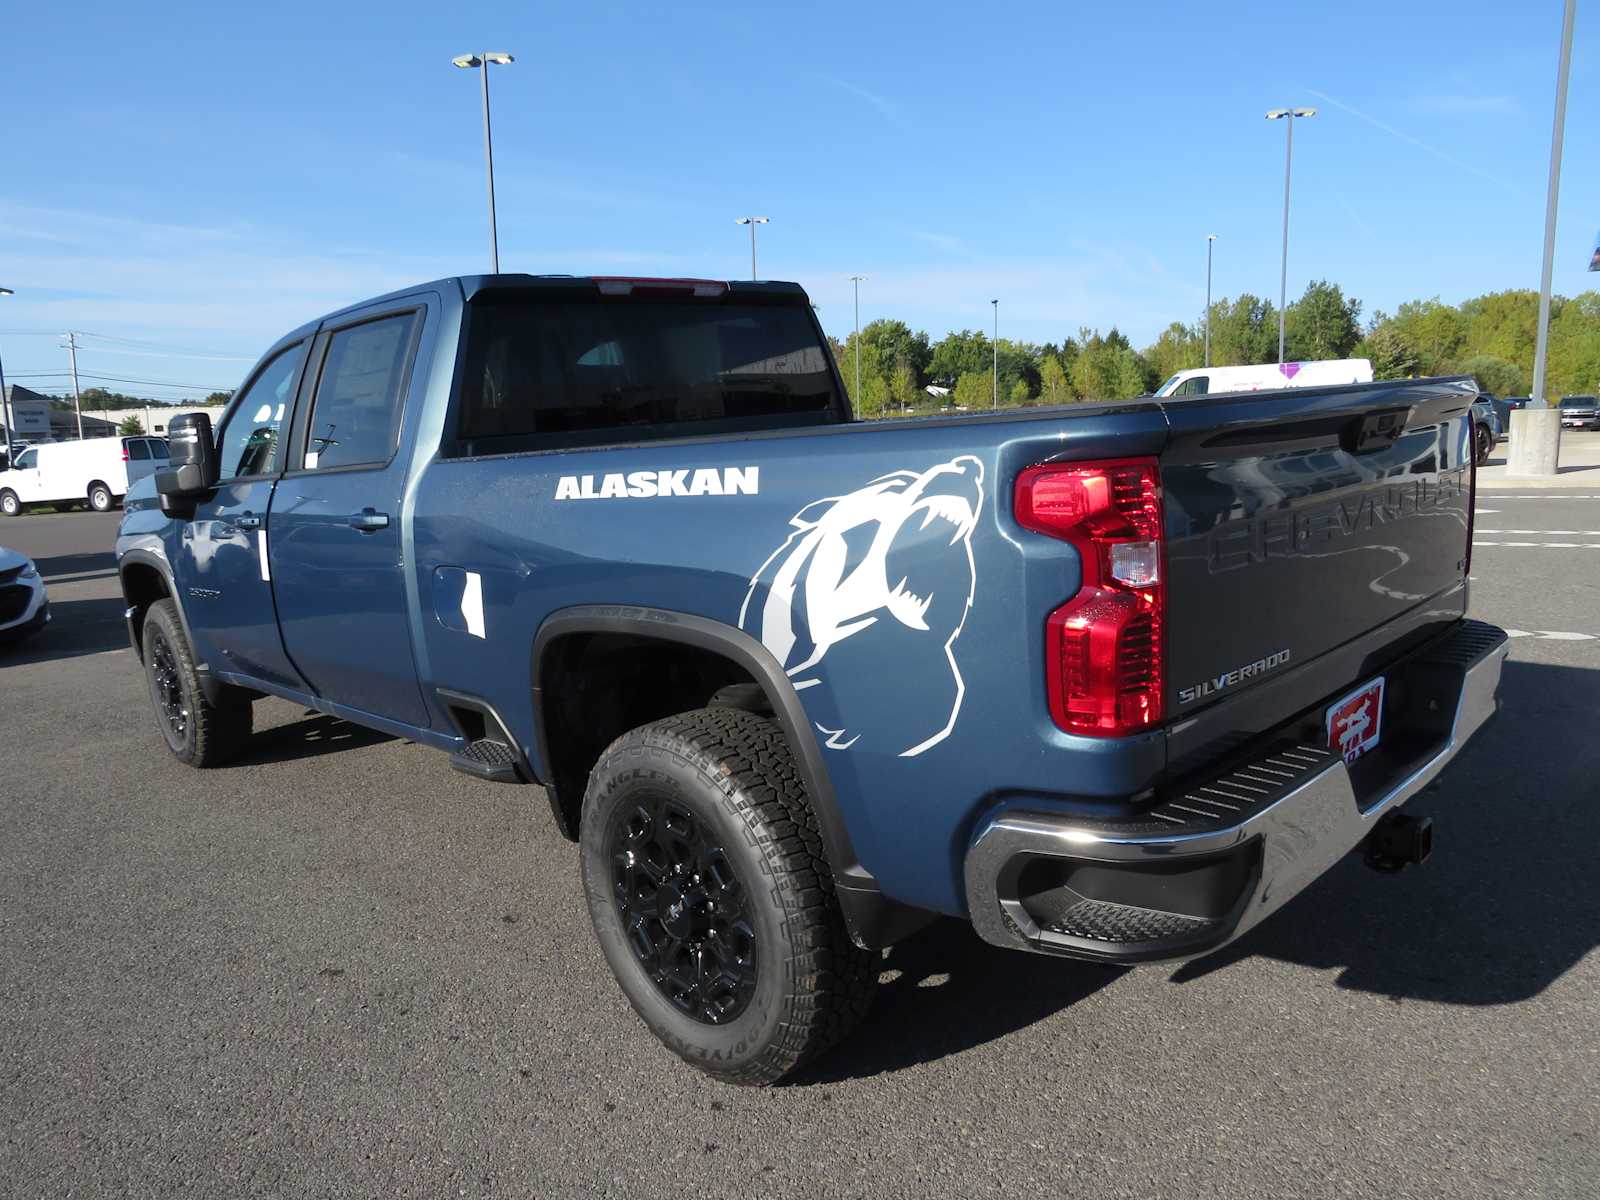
[712,898]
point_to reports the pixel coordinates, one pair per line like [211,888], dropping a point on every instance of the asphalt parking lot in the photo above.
[340,968]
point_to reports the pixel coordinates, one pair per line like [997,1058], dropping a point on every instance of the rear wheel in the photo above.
[196,730]
[1485,443]
[713,900]
[100,498]
[9,504]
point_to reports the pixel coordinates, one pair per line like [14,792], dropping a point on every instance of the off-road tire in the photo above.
[100,497]
[208,734]
[734,771]
[9,504]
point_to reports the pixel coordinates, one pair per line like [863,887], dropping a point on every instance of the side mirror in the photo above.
[193,468]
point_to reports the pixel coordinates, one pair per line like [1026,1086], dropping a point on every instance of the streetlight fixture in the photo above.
[482,61]
[1210,239]
[752,222]
[5,402]
[856,279]
[1289,114]
[994,372]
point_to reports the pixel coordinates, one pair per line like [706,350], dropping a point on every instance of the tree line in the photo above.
[1490,337]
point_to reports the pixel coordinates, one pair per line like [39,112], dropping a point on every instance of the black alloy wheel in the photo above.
[683,907]
[166,688]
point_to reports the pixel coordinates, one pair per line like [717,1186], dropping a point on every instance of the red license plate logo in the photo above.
[1355,722]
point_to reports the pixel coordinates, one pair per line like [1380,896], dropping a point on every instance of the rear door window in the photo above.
[158,449]
[355,418]
[570,370]
[138,449]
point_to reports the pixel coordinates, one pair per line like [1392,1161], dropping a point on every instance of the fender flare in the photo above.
[147,558]
[873,919]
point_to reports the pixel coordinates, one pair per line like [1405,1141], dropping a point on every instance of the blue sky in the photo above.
[209,179]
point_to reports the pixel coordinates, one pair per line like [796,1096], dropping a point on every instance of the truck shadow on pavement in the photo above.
[1506,905]
[945,990]
[313,735]
[77,627]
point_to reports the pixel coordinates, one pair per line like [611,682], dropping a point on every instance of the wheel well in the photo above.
[595,687]
[142,586]
[94,483]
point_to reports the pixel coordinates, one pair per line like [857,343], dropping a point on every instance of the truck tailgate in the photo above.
[1300,521]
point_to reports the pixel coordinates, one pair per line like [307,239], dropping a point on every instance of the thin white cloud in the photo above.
[882,103]
[947,242]
[1469,103]
[1441,155]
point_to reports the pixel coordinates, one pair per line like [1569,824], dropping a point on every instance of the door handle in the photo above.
[368,521]
[247,520]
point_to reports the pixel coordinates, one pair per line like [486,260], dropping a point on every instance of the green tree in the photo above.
[1053,381]
[958,354]
[1322,324]
[897,344]
[1505,324]
[1435,333]
[131,427]
[903,388]
[1108,369]
[1391,358]
[218,398]
[1243,331]
[1177,349]
[972,390]
[1020,392]
[1496,375]
[1575,347]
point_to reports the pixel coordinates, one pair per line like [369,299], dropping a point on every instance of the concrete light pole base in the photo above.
[1535,443]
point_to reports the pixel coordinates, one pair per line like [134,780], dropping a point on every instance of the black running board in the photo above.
[489,751]
[488,758]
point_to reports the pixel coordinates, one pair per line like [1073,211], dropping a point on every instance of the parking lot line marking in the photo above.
[1542,545]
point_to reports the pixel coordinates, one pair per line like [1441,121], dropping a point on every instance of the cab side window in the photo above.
[249,441]
[27,460]
[355,418]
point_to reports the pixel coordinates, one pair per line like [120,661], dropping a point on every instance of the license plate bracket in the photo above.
[1354,723]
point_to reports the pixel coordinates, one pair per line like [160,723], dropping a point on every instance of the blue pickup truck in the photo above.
[1110,681]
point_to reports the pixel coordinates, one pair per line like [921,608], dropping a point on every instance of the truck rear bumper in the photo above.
[1201,867]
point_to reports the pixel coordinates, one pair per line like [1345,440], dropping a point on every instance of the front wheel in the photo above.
[713,900]
[198,731]
[1485,443]
[9,504]
[100,498]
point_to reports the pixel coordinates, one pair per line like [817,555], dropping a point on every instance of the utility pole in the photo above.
[77,396]
[856,279]
[1210,240]
[995,346]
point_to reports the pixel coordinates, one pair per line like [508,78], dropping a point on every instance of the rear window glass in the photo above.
[137,449]
[569,371]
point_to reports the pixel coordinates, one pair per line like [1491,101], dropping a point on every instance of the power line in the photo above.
[170,383]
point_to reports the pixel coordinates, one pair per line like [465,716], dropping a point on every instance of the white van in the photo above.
[1201,381]
[95,470]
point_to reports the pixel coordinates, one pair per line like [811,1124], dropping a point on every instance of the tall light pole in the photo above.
[5,402]
[1210,239]
[752,222]
[1279,114]
[1552,195]
[994,371]
[482,61]
[856,279]
[1535,448]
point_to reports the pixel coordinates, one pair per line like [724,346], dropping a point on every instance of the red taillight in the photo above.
[1104,648]
[125,457]
[622,285]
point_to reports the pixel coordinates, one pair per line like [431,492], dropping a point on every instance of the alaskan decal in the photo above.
[875,585]
[641,485]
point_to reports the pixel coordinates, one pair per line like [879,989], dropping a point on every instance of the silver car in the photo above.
[24,607]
